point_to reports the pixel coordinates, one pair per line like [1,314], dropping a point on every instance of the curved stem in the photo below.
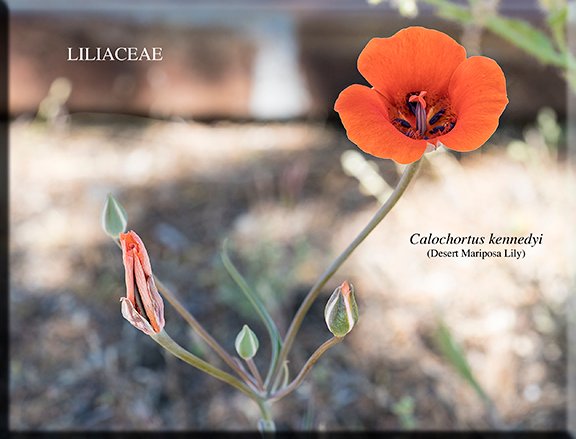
[210,341]
[407,176]
[307,367]
[164,340]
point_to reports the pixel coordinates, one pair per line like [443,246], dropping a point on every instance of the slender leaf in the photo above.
[454,354]
[253,298]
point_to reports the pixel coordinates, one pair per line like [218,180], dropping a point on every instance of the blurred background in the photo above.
[233,136]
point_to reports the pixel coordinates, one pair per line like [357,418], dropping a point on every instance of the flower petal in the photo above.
[364,114]
[139,322]
[150,298]
[478,95]
[157,304]
[141,283]
[412,60]
[131,237]
[128,260]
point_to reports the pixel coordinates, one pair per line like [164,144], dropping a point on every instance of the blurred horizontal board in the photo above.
[253,59]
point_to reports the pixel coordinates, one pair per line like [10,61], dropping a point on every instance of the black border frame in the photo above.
[5,430]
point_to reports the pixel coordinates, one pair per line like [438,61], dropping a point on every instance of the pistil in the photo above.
[420,111]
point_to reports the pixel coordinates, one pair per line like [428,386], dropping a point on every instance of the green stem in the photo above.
[164,340]
[266,423]
[255,372]
[407,176]
[306,369]
[210,341]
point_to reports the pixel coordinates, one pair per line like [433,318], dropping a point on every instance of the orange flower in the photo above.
[425,94]
[142,306]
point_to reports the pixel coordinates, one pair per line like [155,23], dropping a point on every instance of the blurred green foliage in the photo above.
[454,354]
[541,141]
[271,269]
[404,410]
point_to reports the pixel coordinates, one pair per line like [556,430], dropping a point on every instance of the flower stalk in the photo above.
[164,340]
[255,372]
[306,369]
[409,173]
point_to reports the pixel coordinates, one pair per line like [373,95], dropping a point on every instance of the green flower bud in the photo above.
[246,343]
[341,312]
[114,218]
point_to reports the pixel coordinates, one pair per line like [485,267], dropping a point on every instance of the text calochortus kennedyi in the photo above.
[531,239]
[439,98]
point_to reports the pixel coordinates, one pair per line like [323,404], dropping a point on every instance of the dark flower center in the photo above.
[421,116]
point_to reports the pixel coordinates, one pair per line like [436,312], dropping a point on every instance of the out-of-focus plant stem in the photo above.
[407,176]
[266,423]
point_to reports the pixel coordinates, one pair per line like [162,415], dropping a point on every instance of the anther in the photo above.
[403,122]
[436,117]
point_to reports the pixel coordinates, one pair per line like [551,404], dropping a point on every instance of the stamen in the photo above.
[436,117]
[403,122]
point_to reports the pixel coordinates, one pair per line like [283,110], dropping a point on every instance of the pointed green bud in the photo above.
[341,312]
[114,217]
[246,343]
